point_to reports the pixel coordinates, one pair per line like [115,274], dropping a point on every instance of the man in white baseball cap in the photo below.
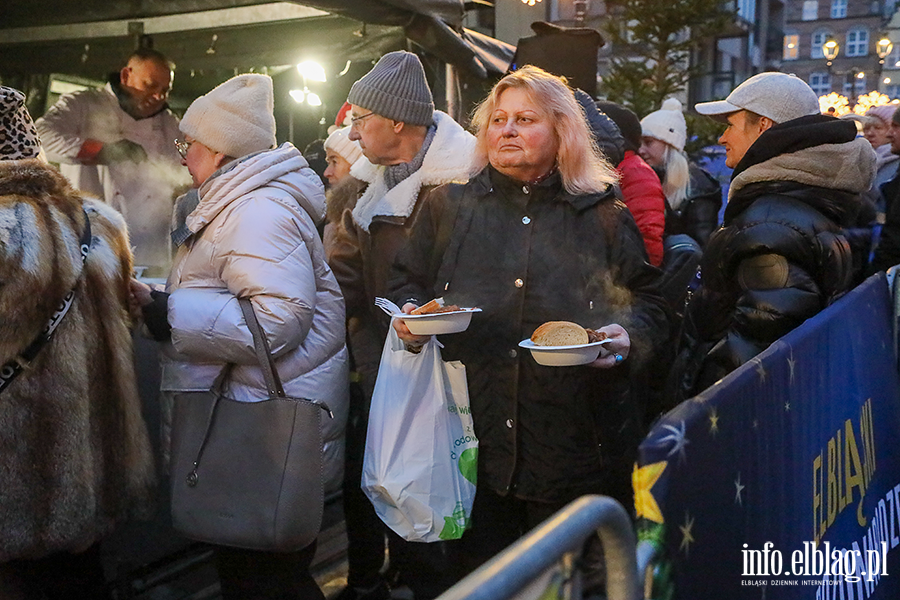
[754,106]
[781,255]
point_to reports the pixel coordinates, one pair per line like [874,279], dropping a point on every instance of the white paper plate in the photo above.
[439,323]
[564,356]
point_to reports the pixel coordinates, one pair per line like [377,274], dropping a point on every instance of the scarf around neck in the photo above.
[394,174]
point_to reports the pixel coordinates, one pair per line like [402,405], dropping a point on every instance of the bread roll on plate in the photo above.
[560,333]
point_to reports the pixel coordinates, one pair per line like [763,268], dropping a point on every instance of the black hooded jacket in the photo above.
[780,256]
[698,215]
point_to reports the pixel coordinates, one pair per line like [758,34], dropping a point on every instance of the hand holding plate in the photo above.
[617,350]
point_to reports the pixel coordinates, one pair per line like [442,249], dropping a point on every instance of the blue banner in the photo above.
[783,479]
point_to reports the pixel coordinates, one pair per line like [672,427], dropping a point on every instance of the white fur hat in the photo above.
[340,142]
[666,124]
[235,118]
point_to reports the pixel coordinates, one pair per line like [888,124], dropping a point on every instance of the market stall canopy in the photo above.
[52,34]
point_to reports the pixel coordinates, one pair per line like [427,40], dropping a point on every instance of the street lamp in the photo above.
[856,75]
[883,48]
[309,71]
[830,51]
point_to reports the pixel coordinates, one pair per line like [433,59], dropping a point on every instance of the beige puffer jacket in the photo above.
[255,236]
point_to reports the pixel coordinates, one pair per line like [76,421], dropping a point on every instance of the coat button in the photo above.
[526,220]
[519,283]
[525,189]
[513,353]
[509,423]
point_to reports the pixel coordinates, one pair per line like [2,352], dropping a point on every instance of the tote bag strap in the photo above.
[270,373]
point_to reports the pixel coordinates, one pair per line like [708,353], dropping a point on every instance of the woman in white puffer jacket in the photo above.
[252,235]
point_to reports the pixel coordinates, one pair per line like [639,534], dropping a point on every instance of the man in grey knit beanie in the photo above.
[413,149]
[395,99]
[396,88]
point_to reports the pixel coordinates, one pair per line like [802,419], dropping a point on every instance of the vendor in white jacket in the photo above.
[116,143]
[252,234]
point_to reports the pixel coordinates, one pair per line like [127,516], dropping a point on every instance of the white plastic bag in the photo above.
[421,455]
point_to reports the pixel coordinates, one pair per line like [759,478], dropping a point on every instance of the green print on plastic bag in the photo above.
[468,464]
[456,524]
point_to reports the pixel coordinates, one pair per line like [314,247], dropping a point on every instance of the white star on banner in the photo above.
[679,440]
[686,538]
[791,365]
[713,421]
[738,489]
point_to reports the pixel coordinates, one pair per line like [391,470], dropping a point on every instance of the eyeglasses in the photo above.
[355,120]
[182,147]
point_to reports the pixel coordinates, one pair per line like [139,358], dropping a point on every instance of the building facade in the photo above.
[856,26]
[743,49]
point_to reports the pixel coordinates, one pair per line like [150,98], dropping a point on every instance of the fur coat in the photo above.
[74,451]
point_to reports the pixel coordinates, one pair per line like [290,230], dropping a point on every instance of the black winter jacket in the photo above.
[780,256]
[887,254]
[698,215]
[527,254]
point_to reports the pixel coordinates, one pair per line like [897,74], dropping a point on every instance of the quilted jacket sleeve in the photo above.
[262,254]
[644,197]
[777,278]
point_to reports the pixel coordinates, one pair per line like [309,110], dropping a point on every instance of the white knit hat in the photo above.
[777,96]
[235,118]
[666,124]
[883,112]
[340,142]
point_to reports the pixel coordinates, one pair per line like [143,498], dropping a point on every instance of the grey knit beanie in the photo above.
[396,88]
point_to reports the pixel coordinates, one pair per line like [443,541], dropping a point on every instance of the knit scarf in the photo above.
[394,174]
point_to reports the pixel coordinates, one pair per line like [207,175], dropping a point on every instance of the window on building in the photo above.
[893,59]
[810,10]
[818,39]
[746,9]
[893,91]
[838,9]
[857,42]
[855,84]
[820,83]
[791,43]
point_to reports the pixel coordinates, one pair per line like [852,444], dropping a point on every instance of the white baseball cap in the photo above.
[778,96]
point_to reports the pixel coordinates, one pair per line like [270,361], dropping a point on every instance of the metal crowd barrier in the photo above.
[556,540]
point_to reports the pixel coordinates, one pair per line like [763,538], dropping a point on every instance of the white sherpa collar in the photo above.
[849,166]
[448,160]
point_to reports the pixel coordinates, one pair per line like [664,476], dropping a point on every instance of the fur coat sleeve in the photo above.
[74,452]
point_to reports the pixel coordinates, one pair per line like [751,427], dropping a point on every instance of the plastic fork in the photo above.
[387,306]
